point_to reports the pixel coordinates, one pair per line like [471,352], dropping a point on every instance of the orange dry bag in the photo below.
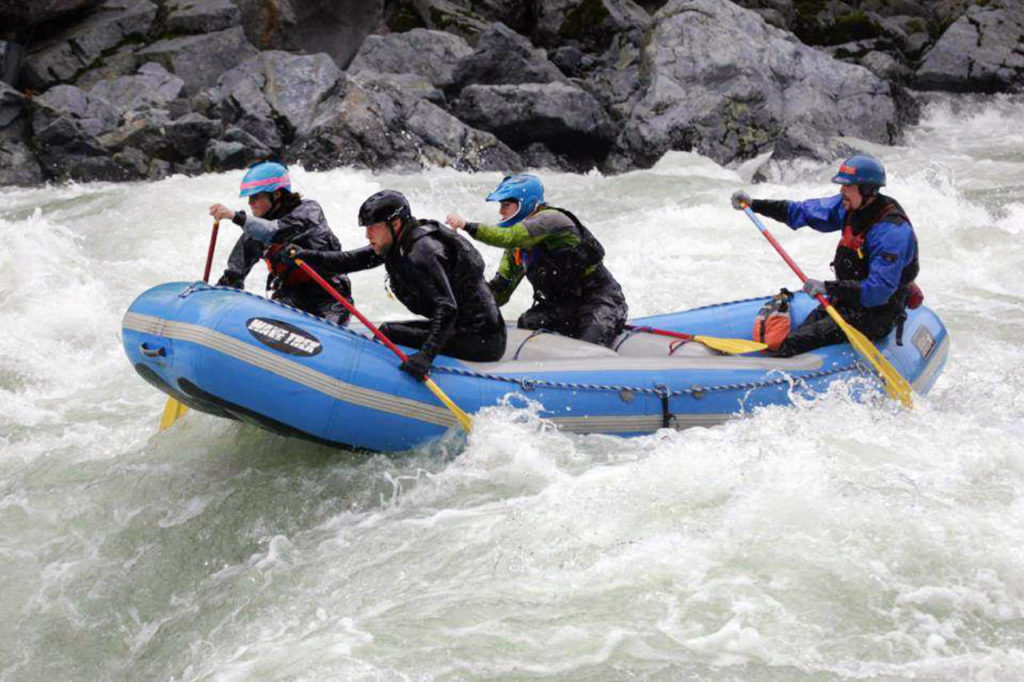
[772,324]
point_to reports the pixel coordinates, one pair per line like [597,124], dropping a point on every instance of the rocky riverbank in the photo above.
[140,89]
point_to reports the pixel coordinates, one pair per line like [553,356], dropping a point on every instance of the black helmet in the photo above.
[383,206]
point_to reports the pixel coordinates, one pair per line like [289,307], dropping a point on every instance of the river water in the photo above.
[831,540]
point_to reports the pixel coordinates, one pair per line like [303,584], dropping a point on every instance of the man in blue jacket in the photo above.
[875,262]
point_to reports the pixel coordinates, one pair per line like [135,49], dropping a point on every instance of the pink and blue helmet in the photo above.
[265,176]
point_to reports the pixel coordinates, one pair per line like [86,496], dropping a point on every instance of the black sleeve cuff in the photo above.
[471,229]
[239,218]
[776,210]
[846,292]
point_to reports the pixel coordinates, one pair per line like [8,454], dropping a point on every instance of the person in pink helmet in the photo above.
[279,217]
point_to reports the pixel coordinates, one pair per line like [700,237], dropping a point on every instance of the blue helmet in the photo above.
[860,169]
[523,188]
[265,176]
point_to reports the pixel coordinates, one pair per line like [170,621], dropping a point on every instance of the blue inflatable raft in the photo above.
[237,355]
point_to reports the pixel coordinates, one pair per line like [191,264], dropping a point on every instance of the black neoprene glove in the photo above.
[231,279]
[288,253]
[417,366]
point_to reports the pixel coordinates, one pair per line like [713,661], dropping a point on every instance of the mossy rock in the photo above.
[845,28]
[405,18]
[462,23]
[807,10]
[582,19]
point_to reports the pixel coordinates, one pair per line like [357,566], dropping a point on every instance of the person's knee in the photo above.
[535,319]
[601,332]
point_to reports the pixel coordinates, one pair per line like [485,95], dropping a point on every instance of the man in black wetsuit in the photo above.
[433,272]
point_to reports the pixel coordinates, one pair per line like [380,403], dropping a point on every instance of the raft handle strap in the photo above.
[666,415]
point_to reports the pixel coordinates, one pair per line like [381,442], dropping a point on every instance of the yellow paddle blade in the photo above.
[464,420]
[731,346]
[895,385]
[173,411]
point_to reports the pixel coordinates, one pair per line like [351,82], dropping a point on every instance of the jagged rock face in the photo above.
[19,15]
[126,89]
[370,123]
[503,56]
[422,52]
[982,51]
[18,164]
[722,82]
[200,16]
[589,24]
[274,95]
[563,117]
[199,60]
[334,27]
[65,56]
[151,87]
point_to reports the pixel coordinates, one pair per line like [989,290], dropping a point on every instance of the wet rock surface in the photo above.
[139,89]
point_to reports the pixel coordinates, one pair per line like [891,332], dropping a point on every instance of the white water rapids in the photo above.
[831,540]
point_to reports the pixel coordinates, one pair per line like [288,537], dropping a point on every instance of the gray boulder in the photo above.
[121,62]
[336,28]
[18,164]
[12,106]
[145,130]
[886,66]
[199,60]
[95,114]
[61,58]
[234,149]
[946,12]
[469,19]
[369,123]
[152,87]
[724,83]
[982,51]
[190,135]
[200,16]
[592,25]
[780,13]
[17,15]
[411,83]
[516,14]
[616,77]
[10,61]
[563,117]
[503,56]
[182,143]
[67,151]
[429,54]
[275,95]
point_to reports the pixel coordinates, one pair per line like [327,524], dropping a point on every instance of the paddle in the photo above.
[175,409]
[895,385]
[731,346]
[463,418]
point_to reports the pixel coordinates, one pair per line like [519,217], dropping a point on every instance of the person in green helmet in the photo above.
[573,292]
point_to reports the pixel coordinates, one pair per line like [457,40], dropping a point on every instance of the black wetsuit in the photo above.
[439,275]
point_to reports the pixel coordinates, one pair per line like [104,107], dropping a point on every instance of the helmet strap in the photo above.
[391,228]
